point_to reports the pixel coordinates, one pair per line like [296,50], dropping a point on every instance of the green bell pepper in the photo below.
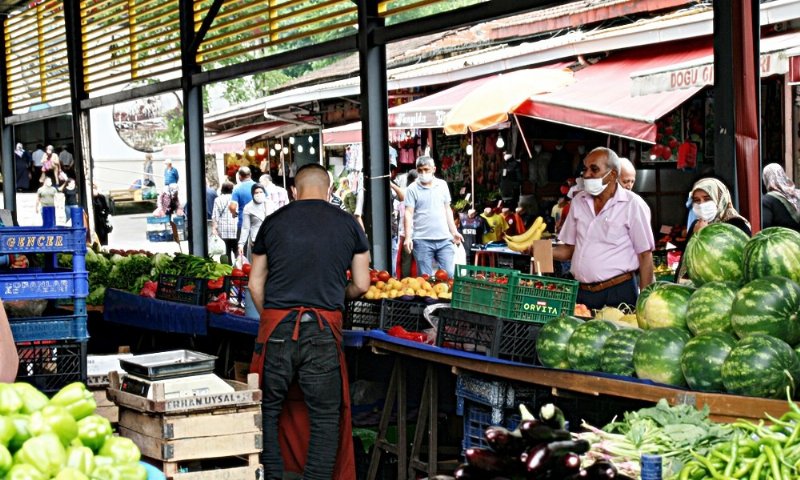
[105,472]
[5,461]
[9,399]
[44,452]
[7,431]
[93,431]
[121,449]
[101,460]
[21,431]
[81,459]
[24,471]
[131,471]
[77,399]
[32,399]
[56,420]
[71,474]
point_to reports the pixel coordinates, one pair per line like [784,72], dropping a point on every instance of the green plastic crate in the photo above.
[540,299]
[484,290]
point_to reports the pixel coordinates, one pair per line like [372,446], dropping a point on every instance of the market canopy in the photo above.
[491,102]
[601,98]
[229,141]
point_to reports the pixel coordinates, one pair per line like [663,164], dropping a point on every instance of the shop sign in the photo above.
[22,243]
[420,119]
[697,76]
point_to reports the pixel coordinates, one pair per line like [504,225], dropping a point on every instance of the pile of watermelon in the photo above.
[735,330]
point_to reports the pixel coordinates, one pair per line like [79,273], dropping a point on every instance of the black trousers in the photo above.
[625,292]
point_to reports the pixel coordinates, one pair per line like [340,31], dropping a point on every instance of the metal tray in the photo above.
[174,363]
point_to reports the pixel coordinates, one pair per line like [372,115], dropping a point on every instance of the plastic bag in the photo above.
[241,262]
[216,245]
[460,256]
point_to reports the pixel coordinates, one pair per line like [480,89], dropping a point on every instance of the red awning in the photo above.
[794,70]
[601,98]
[229,141]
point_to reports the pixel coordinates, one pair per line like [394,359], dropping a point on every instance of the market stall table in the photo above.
[154,314]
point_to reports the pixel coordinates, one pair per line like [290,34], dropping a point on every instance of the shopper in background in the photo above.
[22,168]
[242,195]
[780,207]
[66,161]
[223,223]
[170,173]
[147,169]
[211,196]
[405,265]
[38,158]
[46,195]
[101,212]
[607,236]
[627,175]
[252,217]
[298,283]
[51,167]
[276,196]
[70,191]
[430,229]
[9,359]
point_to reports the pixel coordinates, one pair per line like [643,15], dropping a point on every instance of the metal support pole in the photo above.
[81,135]
[375,127]
[6,134]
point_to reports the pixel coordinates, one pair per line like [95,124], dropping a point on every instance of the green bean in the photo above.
[688,469]
[709,465]
[756,474]
[732,461]
[773,463]
[746,466]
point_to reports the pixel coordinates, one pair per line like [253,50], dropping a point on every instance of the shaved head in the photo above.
[627,175]
[312,181]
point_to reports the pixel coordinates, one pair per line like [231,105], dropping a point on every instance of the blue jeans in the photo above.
[443,251]
[393,259]
[314,361]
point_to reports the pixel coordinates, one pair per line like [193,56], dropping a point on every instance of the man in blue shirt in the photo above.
[242,194]
[170,173]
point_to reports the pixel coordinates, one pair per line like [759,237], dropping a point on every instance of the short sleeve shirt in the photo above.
[309,246]
[607,244]
[430,214]
[242,195]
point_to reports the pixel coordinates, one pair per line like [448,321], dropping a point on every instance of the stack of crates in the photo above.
[159,229]
[484,402]
[52,349]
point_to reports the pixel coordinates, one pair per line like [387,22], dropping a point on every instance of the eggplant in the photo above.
[552,416]
[555,459]
[468,472]
[535,433]
[504,442]
[537,461]
[487,461]
[566,465]
[579,446]
[601,470]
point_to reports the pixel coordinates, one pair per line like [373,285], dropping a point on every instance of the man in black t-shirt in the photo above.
[298,283]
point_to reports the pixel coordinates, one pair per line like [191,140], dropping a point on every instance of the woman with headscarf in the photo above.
[22,167]
[712,203]
[780,207]
[254,213]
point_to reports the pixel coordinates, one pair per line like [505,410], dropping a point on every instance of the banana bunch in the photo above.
[523,242]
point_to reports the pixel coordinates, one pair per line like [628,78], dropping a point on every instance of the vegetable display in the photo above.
[715,254]
[61,437]
[768,305]
[774,251]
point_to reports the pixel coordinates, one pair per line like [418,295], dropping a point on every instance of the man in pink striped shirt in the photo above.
[607,235]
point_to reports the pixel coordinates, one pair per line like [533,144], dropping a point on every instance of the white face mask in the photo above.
[258,198]
[594,186]
[425,178]
[706,211]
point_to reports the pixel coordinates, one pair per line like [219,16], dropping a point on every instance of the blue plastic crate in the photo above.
[477,418]
[34,284]
[68,327]
[42,240]
[178,219]
[160,236]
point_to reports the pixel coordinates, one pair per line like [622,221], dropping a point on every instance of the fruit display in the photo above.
[773,251]
[539,448]
[709,308]
[61,437]
[524,241]
[702,359]
[768,305]
[715,253]
[666,306]
[657,355]
[616,355]
[586,342]
[551,343]
[622,314]
[383,285]
[761,366]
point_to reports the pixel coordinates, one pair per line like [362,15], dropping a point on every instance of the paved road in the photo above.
[130,231]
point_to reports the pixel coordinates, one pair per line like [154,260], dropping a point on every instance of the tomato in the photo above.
[441,275]
[188,288]
[425,276]
[237,272]
[373,276]
[384,276]
[246,268]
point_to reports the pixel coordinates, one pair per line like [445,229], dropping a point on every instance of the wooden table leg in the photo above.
[427,422]
[395,394]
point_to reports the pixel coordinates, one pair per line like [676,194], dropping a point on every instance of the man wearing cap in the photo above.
[607,236]
[170,173]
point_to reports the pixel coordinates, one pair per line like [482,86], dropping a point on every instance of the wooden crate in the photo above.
[244,394]
[236,468]
[105,407]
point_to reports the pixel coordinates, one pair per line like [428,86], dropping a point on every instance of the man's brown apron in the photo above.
[293,426]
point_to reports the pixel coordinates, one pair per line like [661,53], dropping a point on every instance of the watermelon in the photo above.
[666,306]
[551,343]
[761,366]
[774,251]
[642,301]
[768,305]
[710,306]
[715,254]
[657,355]
[583,348]
[616,356]
[702,359]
